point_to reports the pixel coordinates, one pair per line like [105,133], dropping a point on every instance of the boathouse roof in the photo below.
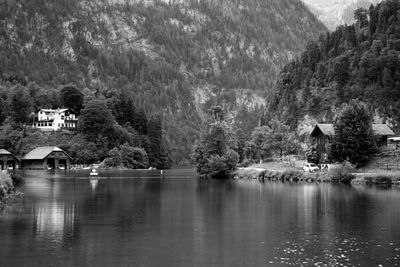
[43,152]
[4,152]
[329,130]
[7,153]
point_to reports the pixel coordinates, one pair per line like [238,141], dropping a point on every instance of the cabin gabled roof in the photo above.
[382,129]
[328,129]
[40,153]
[7,153]
[4,152]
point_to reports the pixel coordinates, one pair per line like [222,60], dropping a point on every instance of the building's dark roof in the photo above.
[329,130]
[42,152]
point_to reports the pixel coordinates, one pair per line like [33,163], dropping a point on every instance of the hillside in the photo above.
[360,61]
[171,58]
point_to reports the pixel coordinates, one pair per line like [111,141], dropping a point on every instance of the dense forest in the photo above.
[152,65]
[359,61]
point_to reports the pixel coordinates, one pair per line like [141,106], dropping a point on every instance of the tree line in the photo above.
[106,127]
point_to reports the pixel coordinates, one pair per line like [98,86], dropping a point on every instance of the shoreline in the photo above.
[340,175]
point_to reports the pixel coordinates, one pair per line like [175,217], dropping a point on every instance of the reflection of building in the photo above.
[56,119]
[55,220]
[322,135]
[8,160]
[47,157]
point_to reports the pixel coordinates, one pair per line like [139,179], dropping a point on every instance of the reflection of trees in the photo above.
[123,202]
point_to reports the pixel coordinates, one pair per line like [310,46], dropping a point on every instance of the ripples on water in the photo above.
[145,219]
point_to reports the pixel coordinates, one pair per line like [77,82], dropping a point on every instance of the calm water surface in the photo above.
[140,219]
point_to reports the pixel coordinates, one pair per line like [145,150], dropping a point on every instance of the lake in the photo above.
[140,218]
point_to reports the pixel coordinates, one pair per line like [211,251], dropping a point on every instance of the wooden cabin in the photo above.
[48,157]
[322,135]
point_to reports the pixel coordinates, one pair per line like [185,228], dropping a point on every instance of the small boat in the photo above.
[94,174]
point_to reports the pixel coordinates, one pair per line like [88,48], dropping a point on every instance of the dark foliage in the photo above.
[312,155]
[354,139]
[96,120]
[20,104]
[71,97]
[17,179]
[212,154]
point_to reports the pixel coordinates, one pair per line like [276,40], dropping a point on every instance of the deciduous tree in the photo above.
[72,98]
[20,103]
[95,119]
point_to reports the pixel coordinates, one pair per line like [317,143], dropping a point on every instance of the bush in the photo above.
[134,157]
[128,157]
[378,179]
[342,174]
[221,166]
[114,159]
[291,175]
[17,179]
[272,175]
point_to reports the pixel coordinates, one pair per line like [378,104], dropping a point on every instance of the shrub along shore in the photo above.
[8,187]
[293,175]
[343,175]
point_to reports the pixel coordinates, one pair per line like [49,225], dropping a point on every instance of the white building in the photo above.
[56,119]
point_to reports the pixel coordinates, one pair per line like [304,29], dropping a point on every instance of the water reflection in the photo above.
[93,184]
[193,222]
[54,222]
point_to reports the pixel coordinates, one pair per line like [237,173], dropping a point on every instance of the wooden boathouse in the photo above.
[8,160]
[47,157]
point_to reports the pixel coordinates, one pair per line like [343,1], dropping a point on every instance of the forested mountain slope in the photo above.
[173,58]
[360,61]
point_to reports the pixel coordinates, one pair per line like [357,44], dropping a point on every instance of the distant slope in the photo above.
[177,58]
[361,61]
